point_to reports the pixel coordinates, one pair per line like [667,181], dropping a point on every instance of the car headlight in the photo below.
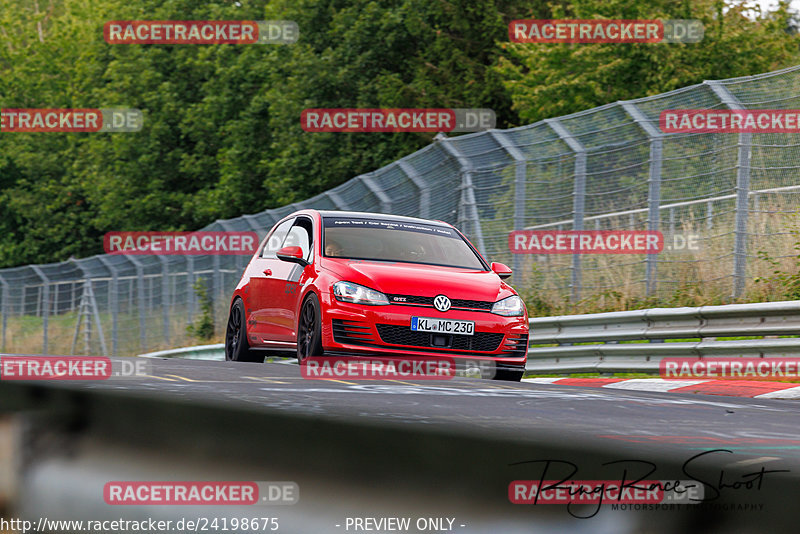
[509,307]
[350,292]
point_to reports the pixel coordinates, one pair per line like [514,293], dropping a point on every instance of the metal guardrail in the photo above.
[637,340]
[200,352]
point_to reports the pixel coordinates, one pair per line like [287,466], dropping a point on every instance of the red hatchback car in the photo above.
[364,284]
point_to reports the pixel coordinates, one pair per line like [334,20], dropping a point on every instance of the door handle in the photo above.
[268,272]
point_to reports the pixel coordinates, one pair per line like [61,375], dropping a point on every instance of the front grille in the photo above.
[472,304]
[454,303]
[403,335]
[352,332]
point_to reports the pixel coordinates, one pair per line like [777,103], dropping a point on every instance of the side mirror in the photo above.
[293,255]
[501,270]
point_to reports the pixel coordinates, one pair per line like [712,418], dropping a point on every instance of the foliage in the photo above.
[784,280]
[557,79]
[222,134]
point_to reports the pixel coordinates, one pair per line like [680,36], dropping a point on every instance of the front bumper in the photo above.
[352,329]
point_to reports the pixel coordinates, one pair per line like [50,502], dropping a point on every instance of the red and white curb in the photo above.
[731,388]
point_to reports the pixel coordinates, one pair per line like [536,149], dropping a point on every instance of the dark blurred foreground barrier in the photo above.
[69,442]
[638,340]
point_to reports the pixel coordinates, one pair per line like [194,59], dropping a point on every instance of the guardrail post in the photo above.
[421,185]
[520,178]
[375,189]
[3,312]
[578,197]
[46,298]
[742,191]
[113,304]
[468,202]
[654,187]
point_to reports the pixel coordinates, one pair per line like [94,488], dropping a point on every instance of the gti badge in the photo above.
[441,303]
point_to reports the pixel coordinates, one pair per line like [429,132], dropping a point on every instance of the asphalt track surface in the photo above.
[663,423]
[475,436]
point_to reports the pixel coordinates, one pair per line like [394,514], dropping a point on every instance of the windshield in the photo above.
[374,239]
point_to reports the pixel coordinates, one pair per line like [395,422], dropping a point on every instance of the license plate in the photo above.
[444,326]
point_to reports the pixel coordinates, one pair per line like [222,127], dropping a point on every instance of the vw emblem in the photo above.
[441,303]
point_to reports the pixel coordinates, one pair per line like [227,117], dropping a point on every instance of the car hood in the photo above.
[422,280]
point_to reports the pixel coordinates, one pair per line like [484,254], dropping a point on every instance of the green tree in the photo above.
[222,133]
[548,80]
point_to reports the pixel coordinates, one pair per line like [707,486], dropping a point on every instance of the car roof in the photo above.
[379,216]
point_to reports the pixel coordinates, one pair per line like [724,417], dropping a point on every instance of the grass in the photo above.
[699,278]
[24,334]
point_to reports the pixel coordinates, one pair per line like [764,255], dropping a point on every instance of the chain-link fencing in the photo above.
[608,168]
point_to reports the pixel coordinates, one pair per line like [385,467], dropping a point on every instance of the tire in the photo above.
[309,329]
[508,375]
[237,349]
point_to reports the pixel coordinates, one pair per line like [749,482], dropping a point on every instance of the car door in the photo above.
[285,283]
[261,293]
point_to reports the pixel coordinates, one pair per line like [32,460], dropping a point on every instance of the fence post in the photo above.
[113,304]
[421,185]
[468,202]
[97,323]
[45,298]
[654,187]
[190,283]
[165,295]
[370,183]
[578,197]
[520,177]
[4,312]
[221,297]
[742,192]
[216,282]
[337,200]
[242,261]
[140,298]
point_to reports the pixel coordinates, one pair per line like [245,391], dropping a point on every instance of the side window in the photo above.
[273,243]
[300,236]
